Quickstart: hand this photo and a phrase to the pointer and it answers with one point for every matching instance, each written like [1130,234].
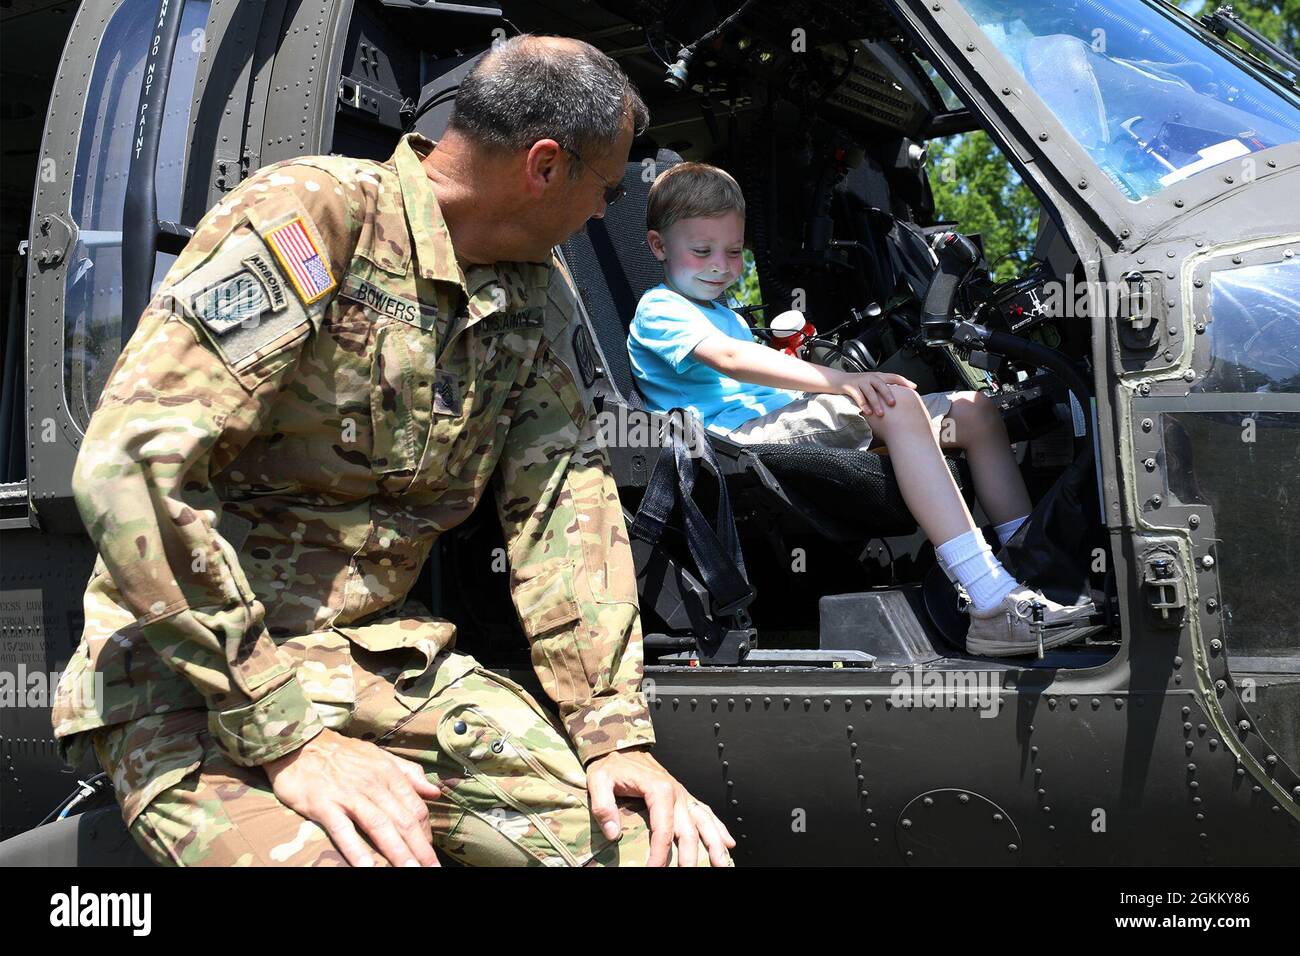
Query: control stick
[957,256]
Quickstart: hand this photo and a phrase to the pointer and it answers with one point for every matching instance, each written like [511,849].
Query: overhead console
[829,59]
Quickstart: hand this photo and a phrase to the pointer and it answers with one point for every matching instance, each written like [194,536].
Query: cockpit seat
[842,494]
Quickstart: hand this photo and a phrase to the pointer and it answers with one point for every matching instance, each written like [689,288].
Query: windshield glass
[1151,101]
[1254,329]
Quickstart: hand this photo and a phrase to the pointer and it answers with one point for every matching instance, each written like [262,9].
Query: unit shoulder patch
[238,300]
[239,313]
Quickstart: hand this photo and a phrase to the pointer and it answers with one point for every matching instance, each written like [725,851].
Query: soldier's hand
[342,783]
[675,816]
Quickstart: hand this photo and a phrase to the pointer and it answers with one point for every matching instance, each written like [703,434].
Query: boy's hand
[760,365]
[873,390]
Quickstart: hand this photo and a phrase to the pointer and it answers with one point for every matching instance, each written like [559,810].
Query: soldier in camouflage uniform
[342,360]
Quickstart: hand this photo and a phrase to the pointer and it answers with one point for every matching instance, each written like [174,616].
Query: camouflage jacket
[317,390]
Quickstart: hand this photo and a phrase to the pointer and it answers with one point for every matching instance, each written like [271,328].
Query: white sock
[1005,530]
[968,560]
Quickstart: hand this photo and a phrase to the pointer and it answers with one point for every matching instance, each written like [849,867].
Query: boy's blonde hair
[687,190]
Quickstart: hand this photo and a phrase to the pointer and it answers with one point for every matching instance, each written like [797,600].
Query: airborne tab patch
[270,280]
[307,269]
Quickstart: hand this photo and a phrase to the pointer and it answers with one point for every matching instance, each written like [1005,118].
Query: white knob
[787,323]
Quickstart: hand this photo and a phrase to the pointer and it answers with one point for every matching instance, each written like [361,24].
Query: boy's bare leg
[923,477]
[977,427]
[1002,621]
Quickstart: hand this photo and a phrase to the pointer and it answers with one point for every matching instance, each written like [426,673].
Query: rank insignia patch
[445,398]
[301,260]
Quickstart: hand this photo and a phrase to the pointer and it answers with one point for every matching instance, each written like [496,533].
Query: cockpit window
[1254,329]
[746,290]
[1234,445]
[1243,467]
[946,95]
[93,288]
[1151,101]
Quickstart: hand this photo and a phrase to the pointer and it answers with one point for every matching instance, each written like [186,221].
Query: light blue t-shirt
[661,343]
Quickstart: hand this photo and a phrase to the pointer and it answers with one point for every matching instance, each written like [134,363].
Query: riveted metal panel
[216,156]
[805,767]
[42,579]
[301,90]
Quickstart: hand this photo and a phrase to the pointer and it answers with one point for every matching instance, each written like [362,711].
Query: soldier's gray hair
[526,89]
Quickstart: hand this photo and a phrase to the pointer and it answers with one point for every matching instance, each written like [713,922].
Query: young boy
[688,350]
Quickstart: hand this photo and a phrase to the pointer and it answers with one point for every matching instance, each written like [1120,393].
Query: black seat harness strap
[715,550]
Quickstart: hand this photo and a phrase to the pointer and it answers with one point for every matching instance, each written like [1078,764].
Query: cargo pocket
[324,671]
[242,301]
[520,771]
[544,596]
[421,638]
[401,402]
[144,757]
[482,374]
[557,759]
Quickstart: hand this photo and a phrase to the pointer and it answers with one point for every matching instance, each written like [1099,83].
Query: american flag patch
[293,246]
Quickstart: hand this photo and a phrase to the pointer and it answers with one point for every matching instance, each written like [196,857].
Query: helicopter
[804,658]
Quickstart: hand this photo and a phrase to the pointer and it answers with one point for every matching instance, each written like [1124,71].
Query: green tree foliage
[977,188]
[745,291]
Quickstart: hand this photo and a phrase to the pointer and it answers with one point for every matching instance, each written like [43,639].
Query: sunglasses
[613,191]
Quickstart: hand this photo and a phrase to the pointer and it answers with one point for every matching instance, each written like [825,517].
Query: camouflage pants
[514,791]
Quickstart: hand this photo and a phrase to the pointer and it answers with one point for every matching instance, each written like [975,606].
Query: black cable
[722,26]
[824,343]
[1040,356]
[53,814]
[434,101]
[679,71]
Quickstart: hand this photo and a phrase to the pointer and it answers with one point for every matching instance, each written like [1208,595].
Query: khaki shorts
[831,420]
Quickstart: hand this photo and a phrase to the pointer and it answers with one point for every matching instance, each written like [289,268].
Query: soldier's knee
[222,815]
